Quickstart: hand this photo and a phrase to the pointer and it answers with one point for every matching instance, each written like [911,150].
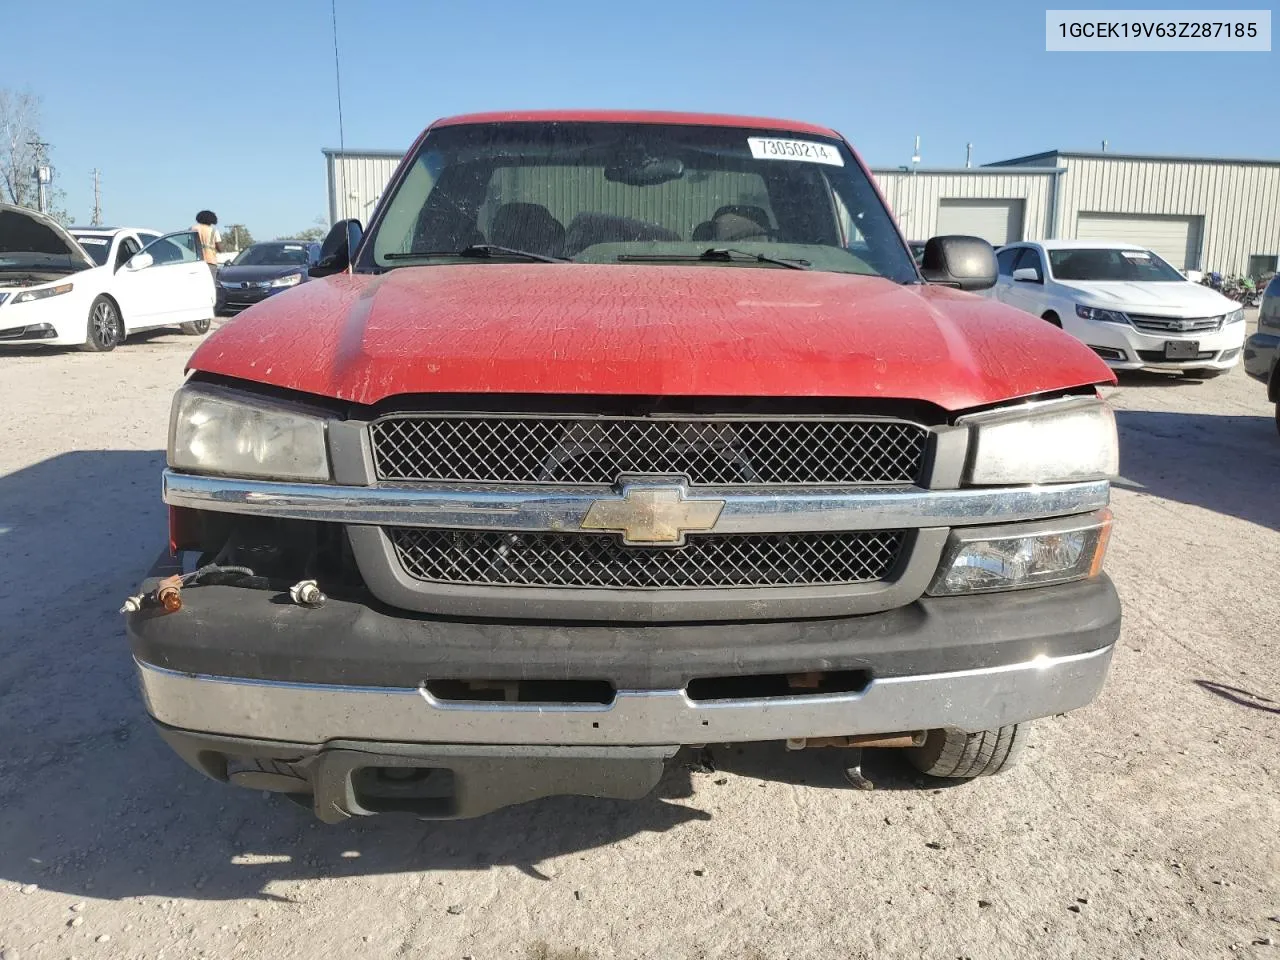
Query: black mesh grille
[602,561]
[597,450]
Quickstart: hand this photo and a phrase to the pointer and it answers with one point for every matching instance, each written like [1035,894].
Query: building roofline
[989,169]
[355,152]
[1159,157]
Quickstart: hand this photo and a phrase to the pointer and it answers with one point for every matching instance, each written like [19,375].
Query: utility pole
[41,174]
[97,196]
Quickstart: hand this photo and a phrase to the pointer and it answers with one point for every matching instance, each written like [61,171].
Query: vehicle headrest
[527,226]
[746,210]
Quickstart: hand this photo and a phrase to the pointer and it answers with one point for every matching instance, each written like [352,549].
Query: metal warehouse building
[1199,213]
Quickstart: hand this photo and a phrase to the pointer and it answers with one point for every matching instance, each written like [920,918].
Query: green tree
[313,234]
[20,123]
[236,236]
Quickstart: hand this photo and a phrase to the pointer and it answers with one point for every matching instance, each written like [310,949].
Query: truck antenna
[337,76]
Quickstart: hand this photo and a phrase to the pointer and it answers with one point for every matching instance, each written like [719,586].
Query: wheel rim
[105,326]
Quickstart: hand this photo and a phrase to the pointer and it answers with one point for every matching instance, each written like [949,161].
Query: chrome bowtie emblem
[646,514]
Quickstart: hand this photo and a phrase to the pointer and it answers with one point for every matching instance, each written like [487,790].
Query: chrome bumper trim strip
[563,509]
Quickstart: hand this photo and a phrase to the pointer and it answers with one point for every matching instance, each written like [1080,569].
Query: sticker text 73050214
[806,151]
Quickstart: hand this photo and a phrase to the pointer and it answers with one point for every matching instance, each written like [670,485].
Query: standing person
[206,230]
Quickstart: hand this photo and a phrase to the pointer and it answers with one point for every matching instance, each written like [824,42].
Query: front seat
[442,231]
[741,221]
[527,226]
[706,230]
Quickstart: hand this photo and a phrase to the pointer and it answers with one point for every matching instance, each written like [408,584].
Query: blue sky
[226,105]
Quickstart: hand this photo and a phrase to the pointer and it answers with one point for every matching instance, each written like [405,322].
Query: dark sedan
[262,270]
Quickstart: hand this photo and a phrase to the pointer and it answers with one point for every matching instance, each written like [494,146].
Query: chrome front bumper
[978,699]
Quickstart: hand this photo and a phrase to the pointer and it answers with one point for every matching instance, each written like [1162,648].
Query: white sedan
[1133,309]
[93,287]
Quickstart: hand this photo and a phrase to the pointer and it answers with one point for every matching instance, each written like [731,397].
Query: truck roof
[636,116]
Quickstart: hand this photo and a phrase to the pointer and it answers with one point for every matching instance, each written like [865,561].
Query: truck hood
[1168,298]
[644,330]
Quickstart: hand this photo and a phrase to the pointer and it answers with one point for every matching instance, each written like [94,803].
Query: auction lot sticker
[806,151]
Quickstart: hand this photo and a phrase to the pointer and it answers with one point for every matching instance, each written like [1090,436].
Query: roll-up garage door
[996,221]
[1176,239]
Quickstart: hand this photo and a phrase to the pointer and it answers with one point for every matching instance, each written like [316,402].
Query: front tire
[1052,317]
[197,328]
[105,328]
[955,754]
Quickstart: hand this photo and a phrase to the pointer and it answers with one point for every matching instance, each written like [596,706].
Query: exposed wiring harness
[168,592]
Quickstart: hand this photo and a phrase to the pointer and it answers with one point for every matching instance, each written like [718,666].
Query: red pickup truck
[616,433]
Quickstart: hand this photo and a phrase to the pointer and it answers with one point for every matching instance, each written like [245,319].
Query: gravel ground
[1143,826]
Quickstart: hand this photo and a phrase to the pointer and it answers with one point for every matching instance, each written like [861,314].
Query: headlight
[1097,313]
[1054,442]
[28,295]
[213,430]
[291,280]
[1235,316]
[1011,557]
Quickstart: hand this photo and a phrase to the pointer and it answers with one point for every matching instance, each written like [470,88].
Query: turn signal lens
[1016,556]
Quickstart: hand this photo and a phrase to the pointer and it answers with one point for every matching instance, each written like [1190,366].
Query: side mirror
[965,262]
[1028,275]
[338,246]
[140,261]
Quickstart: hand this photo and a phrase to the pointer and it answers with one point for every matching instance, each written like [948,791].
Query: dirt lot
[1145,826]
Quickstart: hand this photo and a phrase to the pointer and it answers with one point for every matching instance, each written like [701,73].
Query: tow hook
[307,593]
[852,760]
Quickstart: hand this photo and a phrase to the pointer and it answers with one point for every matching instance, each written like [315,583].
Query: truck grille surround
[1174,325]
[598,450]
[602,561]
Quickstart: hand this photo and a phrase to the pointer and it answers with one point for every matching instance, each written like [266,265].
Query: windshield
[637,193]
[273,255]
[98,248]
[1107,264]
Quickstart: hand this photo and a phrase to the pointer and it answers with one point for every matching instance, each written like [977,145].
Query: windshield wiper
[478,251]
[718,254]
